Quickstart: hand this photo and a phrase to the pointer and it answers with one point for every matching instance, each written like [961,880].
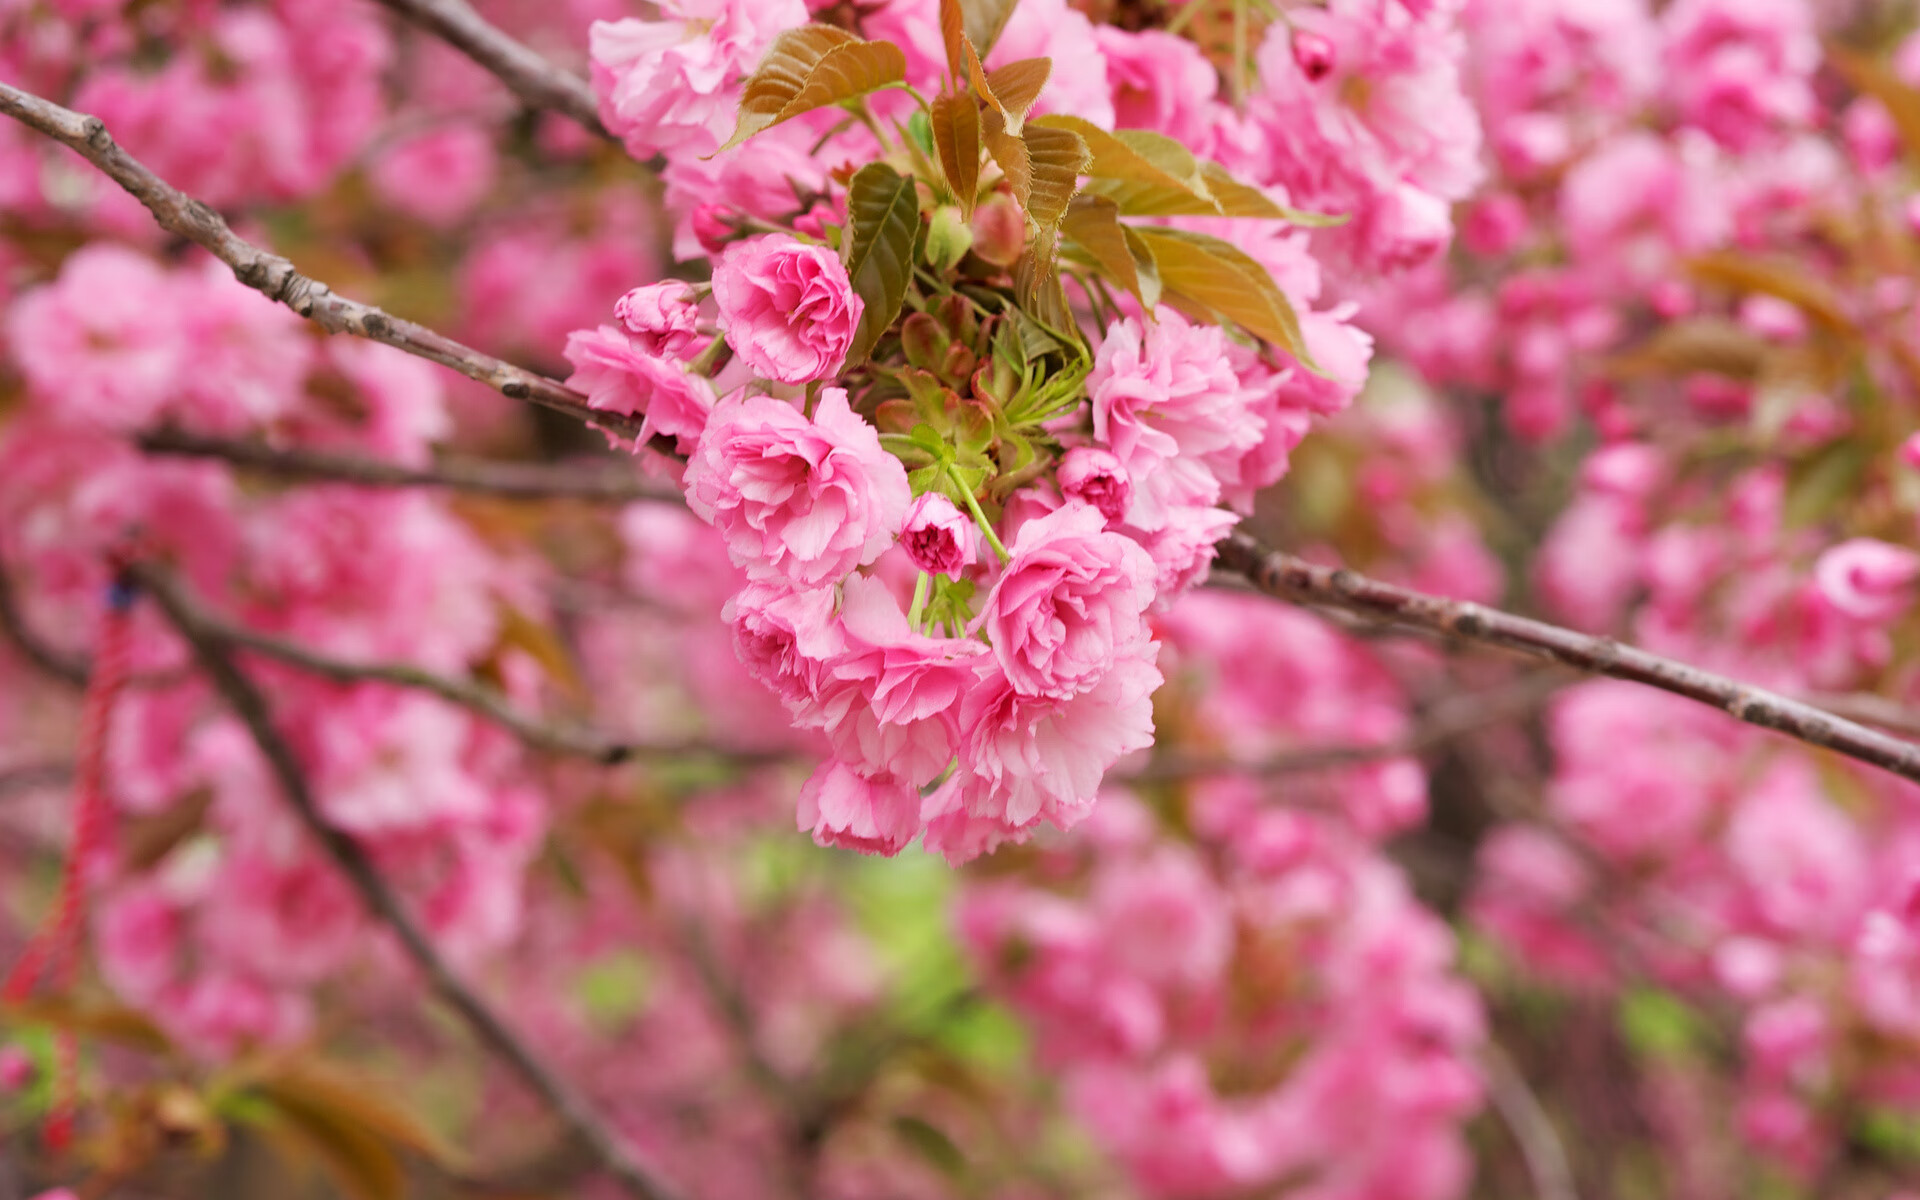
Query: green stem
[921,587]
[1192,10]
[813,398]
[980,518]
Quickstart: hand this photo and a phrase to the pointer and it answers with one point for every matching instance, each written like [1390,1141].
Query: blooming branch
[1288,577]
[213,645]
[517,481]
[543,735]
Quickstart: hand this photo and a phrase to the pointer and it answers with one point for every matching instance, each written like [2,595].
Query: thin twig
[275,277]
[487,703]
[1532,1128]
[27,777]
[1440,725]
[57,663]
[214,650]
[540,83]
[1290,578]
[1870,710]
[518,481]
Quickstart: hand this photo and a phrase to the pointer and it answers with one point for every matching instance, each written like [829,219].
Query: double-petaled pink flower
[788,308]
[805,501]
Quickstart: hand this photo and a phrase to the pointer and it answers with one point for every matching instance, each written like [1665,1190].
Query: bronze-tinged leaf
[1218,281]
[953,32]
[1010,151]
[1057,158]
[148,838]
[1147,266]
[103,1022]
[1781,278]
[1036,279]
[985,20]
[955,121]
[1095,235]
[1716,344]
[1870,77]
[345,1121]
[812,67]
[1236,199]
[883,219]
[1147,176]
[1016,86]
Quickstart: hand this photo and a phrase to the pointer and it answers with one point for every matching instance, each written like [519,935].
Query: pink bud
[16,1068]
[1096,477]
[713,226]
[1313,54]
[1496,224]
[1912,214]
[662,317]
[1910,451]
[814,221]
[938,537]
[1867,579]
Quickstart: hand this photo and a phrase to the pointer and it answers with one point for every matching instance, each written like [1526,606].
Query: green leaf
[1658,1024]
[1162,169]
[1236,199]
[1218,281]
[1057,157]
[1093,225]
[935,1147]
[956,135]
[883,219]
[812,67]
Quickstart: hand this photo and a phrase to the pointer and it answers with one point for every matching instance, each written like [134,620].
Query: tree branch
[214,650]
[487,703]
[275,277]
[540,83]
[1291,578]
[1532,1128]
[1442,723]
[517,481]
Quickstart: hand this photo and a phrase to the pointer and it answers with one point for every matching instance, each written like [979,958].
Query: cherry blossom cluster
[958,490]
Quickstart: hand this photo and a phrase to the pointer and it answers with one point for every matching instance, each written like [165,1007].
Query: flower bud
[999,231]
[1313,54]
[662,317]
[948,239]
[16,1069]
[1867,579]
[938,537]
[1096,477]
[711,224]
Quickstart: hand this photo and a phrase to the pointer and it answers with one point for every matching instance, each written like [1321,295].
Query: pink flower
[16,1069]
[671,87]
[1167,402]
[788,308]
[1868,579]
[891,699]
[1025,759]
[663,318]
[803,500]
[786,638]
[1094,476]
[620,377]
[1069,603]
[842,807]
[438,176]
[104,338]
[939,537]
[1161,82]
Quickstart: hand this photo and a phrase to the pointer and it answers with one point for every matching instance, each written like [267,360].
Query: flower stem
[921,587]
[980,518]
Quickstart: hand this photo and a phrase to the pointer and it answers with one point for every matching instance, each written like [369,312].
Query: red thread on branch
[54,954]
